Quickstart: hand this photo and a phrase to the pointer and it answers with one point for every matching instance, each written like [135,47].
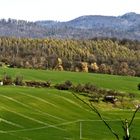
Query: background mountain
[125,26]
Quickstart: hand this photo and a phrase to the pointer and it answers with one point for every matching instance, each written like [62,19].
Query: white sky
[63,10]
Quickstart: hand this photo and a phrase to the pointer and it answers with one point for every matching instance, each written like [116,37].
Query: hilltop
[90,26]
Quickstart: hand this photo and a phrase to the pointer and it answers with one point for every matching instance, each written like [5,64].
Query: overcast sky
[63,10]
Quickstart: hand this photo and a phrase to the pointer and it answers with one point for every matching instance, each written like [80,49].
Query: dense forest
[110,56]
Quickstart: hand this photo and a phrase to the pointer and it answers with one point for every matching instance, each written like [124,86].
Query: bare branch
[93,108]
[84,102]
[112,131]
[134,116]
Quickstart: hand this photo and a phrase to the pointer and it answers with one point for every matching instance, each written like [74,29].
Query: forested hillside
[96,55]
[21,28]
[84,27]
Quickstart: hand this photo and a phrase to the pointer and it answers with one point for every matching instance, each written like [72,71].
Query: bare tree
[126,125]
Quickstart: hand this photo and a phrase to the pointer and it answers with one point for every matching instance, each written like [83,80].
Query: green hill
[50,114]
[120,83]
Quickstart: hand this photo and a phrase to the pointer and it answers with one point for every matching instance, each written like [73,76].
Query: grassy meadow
[49,114]
[120,83]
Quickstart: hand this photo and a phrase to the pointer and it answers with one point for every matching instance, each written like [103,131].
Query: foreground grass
[49,114]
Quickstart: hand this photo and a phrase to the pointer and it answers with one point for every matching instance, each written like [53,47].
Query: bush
[139,86]
[68,83]
[95,98]
[7,80]
[61,86]
[90,87]
[18,80]
[131,95]
[38,84]
[113,92]
[87,88]
[79,88]
[65,86]
[47,84]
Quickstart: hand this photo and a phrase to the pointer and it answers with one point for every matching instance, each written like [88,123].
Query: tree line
[108,56]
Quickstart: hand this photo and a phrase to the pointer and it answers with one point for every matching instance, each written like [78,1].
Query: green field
[49,114]
[120,83]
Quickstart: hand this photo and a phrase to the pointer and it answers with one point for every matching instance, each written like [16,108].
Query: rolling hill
[46,113]
[125,26]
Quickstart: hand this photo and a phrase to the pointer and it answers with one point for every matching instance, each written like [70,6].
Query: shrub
[38,84]
[61,87]
[68,83]
[95,98]
[7,80]
[18,80]
[131,95]
[139,86]
[113,92]
[79,88]
[87,88]
[47,83]
[64,86]
[90,87]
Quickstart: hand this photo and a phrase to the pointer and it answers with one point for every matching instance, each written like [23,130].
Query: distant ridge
[84,27]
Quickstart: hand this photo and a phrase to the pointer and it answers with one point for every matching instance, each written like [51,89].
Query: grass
[49,114]
[120,83]
[41,114]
